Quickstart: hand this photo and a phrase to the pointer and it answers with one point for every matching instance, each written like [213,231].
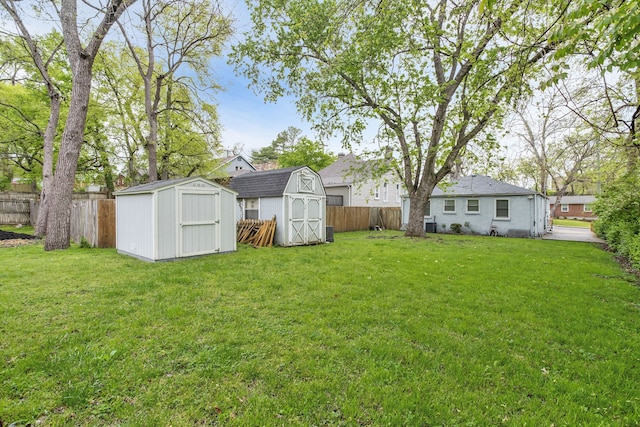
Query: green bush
[618,210]
[456,228]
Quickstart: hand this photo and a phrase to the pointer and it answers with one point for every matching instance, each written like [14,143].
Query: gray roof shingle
[479,185]
[270,183]
[152,186]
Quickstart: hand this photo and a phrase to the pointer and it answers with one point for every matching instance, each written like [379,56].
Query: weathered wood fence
[94,220]
[354,218]
[92,216]
[15,208]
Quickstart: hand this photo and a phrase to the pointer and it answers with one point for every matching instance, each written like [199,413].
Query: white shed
[165,220]
[295,196]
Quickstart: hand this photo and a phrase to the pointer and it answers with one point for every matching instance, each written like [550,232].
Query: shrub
[618,210]
[456,228]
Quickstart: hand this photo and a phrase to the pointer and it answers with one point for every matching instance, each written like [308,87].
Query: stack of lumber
[258,233]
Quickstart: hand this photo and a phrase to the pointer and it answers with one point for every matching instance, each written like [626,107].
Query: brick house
[573,207]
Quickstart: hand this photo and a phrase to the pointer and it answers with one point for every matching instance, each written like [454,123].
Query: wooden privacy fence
[15,208]
[355,218]
[94,220]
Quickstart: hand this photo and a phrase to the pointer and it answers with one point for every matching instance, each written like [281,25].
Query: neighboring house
[574,207]
[349,182]
[236,165]
[295,196]
[482,205]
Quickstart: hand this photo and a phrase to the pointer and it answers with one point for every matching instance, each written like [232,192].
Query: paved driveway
[575,234]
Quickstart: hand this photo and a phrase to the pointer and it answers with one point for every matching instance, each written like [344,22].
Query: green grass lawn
[571,223]
[374,329]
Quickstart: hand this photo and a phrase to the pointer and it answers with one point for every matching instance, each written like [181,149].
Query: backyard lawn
[374,329]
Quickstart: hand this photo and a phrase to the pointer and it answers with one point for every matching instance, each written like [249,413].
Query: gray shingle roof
[346,170]
[574,200]
[270,183]
[155,185]
[479,185]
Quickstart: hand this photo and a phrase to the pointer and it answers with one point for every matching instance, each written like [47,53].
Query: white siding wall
[227,221]
[526,216]
[166,230]
[135,225]
[270,206]
[363,194]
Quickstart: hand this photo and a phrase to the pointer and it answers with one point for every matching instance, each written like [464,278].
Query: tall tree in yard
[42,63]
[177,34]
[81,58]
[433,75]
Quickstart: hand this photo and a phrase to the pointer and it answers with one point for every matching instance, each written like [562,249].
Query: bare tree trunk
[47,165]
[59,218]
[81,60]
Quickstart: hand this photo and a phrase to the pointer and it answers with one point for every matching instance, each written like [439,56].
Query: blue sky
[245,117]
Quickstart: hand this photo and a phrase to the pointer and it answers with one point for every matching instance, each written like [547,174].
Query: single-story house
[295,196]
[349,181]
[482,205]
[177,218]
[573,207]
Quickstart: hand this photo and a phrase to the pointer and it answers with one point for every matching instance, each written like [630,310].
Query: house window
[427,208]
[564,208]
[397,193]
[238,168]
[502,208]
[473,205]
[376,193]
[306,183]
[587,208]
[251,210]
[450,205]
[334,200]
[385,192]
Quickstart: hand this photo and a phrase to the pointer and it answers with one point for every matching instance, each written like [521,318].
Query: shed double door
[198,222]
[305,220]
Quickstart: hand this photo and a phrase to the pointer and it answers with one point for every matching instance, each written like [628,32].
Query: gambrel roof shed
[295,196]
[177,218]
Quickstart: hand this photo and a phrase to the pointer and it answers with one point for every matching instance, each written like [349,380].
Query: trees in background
[106,124]
[433,75]
[177,35]
[291,148]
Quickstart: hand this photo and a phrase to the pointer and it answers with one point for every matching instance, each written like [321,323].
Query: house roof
[271,183]
[573,200]
[155,185]
[161,184]
[479,185]
[346,170]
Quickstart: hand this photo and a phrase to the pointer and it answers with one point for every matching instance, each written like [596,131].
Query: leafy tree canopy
[306,153]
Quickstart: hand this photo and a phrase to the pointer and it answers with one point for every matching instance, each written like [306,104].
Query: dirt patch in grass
[9,239]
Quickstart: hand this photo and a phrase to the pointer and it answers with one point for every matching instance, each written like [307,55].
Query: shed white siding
[135,226]
[174,219]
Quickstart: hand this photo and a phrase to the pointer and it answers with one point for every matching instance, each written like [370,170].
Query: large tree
[81,57]
[433,74]
[42,60]
[177,35]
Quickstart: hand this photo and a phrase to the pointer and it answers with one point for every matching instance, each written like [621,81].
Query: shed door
[198,223]
[305,221]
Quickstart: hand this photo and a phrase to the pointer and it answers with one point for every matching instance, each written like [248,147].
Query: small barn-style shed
[178,218]
[295,196]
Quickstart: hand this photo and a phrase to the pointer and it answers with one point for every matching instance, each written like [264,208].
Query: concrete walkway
[574,234]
